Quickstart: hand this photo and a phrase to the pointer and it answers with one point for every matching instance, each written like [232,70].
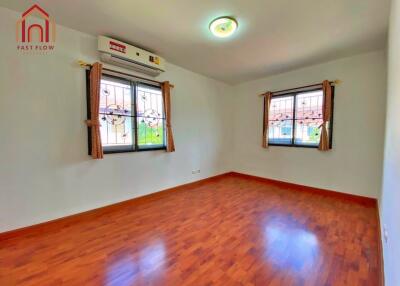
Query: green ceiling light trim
[223,27]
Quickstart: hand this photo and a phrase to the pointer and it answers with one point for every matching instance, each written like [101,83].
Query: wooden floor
[228,231]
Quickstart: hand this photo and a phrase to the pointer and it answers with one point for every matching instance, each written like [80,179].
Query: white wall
[45,172]
[389,207]
[354,164]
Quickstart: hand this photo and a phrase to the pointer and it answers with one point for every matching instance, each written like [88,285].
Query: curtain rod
[335,82]
[85,65]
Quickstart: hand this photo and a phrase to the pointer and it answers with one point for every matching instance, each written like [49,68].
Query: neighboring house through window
[131,115]
[295,119]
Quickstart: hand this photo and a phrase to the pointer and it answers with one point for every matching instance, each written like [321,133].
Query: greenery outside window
[295,119]
[131,115]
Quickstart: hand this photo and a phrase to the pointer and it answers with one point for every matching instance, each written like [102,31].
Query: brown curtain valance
[93,122]
[166,93]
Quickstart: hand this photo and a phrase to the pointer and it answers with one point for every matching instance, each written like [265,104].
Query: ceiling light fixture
[223,27]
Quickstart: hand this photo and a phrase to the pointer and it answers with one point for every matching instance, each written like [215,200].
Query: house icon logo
[35,30]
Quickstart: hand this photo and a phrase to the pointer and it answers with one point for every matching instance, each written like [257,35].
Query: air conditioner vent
[128,56]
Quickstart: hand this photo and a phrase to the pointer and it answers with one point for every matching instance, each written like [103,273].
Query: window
[131,116]
[295,119]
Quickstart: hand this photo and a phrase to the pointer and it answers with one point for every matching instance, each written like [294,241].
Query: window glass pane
[281,120]
[150,117]
[115,113]
[308,117]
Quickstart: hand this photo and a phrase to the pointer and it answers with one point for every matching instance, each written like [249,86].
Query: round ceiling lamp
[223,27]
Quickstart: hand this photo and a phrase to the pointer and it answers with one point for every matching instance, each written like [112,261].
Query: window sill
[135,151]
[293,145]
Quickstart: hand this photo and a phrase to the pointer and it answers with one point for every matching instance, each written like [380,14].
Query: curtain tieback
[323,124]
[168,125]
[92,123]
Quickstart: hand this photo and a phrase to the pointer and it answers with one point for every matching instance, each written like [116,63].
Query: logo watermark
[35,30]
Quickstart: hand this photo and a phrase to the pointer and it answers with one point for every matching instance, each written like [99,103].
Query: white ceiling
[274,36]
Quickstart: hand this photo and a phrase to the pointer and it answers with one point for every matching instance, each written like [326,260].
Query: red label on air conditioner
[117,47]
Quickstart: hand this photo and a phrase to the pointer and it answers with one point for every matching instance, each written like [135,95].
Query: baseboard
[381,266]
[68,220]
[71,219]
[292,186]
[65,221]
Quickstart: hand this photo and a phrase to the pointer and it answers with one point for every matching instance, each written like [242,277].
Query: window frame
[294,94]
[135,146]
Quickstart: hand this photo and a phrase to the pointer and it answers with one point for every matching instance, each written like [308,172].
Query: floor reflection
[290,246]
[122,273]
[144,265]
[152,258]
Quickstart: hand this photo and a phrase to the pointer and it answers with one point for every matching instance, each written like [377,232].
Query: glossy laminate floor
[227,231]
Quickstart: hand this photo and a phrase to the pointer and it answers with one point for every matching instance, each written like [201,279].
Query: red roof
[35,7]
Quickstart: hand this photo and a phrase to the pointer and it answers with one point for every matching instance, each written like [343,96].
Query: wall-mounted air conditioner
[127,56]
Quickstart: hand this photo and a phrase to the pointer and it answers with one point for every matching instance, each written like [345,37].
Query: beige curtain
[326,115]
[267,104]
[93,122]
[166,93]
